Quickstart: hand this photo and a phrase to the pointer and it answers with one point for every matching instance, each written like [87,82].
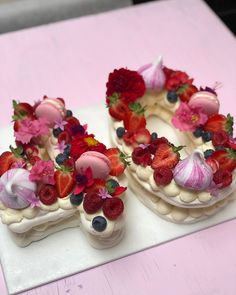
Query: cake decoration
[60,176]
[199,173]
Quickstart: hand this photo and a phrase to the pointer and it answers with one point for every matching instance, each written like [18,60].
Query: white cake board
[68,252]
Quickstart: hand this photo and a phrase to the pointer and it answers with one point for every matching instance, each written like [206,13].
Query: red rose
[129,84]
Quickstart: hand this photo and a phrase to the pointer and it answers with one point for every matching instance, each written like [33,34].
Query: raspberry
[113,208]
[128,138]
[92,203]
[48,194]
[141,156]
[64,136]
[222,178]
[220,138]
[163,175]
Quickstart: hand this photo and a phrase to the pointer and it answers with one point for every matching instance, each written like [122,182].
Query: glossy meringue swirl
[193,172]
[153,75]
[16,188]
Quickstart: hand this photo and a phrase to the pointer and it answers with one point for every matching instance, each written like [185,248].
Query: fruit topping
[154,136]
[99,223]
[76,200]
[118,161]
[219,122]
[172,96]
[155,143]
[113,208]
[120,131]
[186,91]
[64,181]
[206,136]
[141,156]
[69,113]
[198,132]
[134,119]
[56,131]
[220,138]
[163,175]
[64,136]
[92,203]
[7,159]
[208,153]
[47,194]
[166,155]
[226,159]
[61,158]
[142,136]
[222,178]
[117,107]
[96,186]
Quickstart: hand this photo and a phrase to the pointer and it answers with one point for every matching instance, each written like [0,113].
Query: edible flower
[84,180]
[43,171]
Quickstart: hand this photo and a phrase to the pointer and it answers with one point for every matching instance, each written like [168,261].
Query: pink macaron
[98,162]
[53,109]
[207,100]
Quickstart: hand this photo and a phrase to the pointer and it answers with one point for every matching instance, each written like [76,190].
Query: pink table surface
[72,59]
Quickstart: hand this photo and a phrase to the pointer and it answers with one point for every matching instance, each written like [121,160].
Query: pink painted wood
[72,59]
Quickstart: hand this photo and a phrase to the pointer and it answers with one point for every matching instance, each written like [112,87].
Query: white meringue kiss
[15,188]
[153,75]
[193,172]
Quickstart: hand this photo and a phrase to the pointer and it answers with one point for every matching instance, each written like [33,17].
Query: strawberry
[118,161]
[142,136]
[22,110]
[155,143]
[96,186]
[226,159]
[7,159]
[113,208]
[64,181]
[222,178]
[166,155]
[220,138]
[186,91]
[128,138]
[117,107]
[213,164]
[135,119]
[218,122]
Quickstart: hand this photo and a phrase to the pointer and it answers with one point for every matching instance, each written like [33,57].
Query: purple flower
[103,193]
[60,124]
[33,200]
[61,146]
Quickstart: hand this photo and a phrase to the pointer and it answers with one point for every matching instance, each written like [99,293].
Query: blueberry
[154,135]
[206,136]
[198,132]
[76,199]
[99,223]
[208,153]
[172,96]
[111,185]
[69,113]
[56,131]
[60,158]
[120,131]
[67,150]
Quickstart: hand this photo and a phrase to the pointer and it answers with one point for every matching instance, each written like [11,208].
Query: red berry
[64,182]
[134,119]
[222,178]
[117,107]
[128,138]
[142,136]
[155,143]
[163,175]
[96,186]
[219,122]
[141,156]
[213,164]
[220,138]
[48,194]
[225,158]
[113,208]
[166,155]
[118,161]
[92,203]
[22,110]
[186,91]
[64,136]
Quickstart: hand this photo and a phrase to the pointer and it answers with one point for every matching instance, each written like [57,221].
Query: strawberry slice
[142,136]
[226,159]
[134,119]
[22,110]
[117,107]
[7,159]
[118,161]
[186,91]
[166,155]
[219,122]
[64,181]
[96,186]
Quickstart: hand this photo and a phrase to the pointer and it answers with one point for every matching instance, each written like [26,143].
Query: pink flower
[61,146]
[29,129]
[34,201]
[85,179]
[187,118]
[60,124]
[43,171]
[103,193]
